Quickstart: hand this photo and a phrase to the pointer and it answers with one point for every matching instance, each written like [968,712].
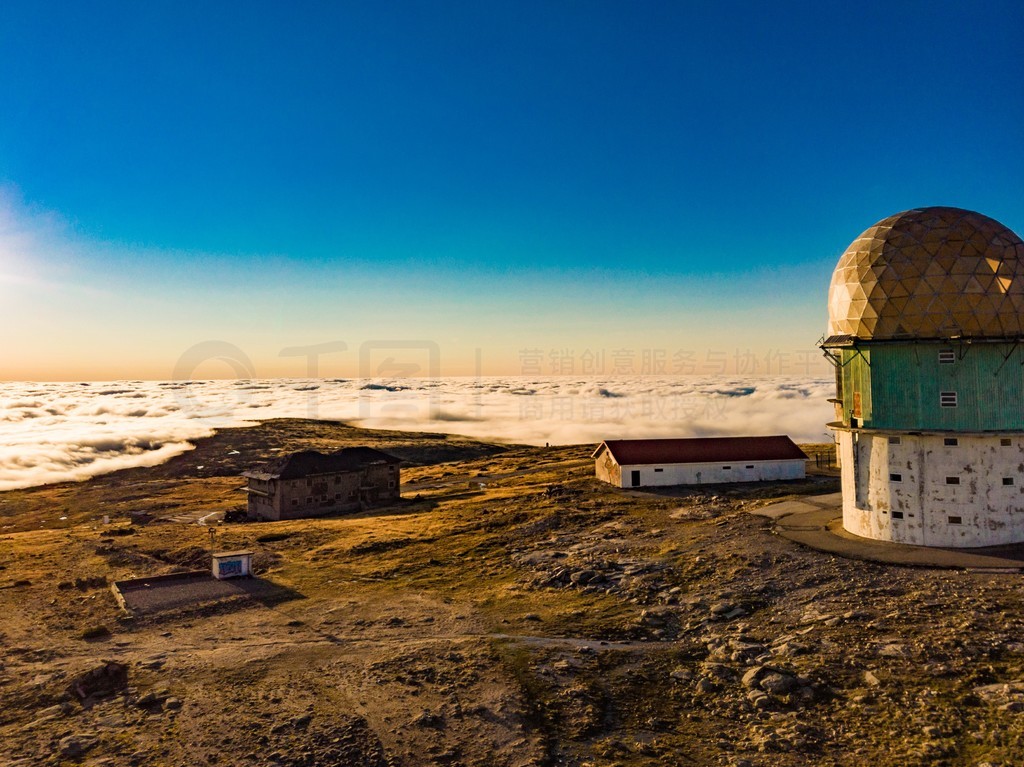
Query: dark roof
[311,462]
[633,452]
[842,340]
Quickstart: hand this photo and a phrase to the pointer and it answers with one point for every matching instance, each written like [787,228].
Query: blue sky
[485,175]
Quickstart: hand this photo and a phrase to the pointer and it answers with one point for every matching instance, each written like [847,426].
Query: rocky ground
[512,611]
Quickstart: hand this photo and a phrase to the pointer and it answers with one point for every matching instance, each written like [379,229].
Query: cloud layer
[54,432]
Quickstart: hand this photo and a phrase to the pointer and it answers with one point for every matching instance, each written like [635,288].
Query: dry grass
[424,632]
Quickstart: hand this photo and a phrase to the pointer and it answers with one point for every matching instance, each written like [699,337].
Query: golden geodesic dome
[930,273]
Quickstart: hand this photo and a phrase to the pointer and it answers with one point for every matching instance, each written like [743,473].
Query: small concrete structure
[699,461]
[313,484]
[232,564]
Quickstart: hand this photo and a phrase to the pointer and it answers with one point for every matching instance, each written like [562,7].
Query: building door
[635,478]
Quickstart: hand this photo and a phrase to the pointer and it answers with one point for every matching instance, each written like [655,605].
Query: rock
[777,684]
[154,699]
[705,685]
[806,695]
[73,746]
[750,678]
[787,649]
[102,680]
[583,576]
[932,732]
[658,617]
[894,651]
[998,691]
[871,679]
[856,615]
[813,615]
[682,674]
[721,608]
[433,721]
[719,671]
[173,703]
[759,699]
[61,709]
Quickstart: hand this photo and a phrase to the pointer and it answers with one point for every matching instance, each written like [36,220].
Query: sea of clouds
[54,432]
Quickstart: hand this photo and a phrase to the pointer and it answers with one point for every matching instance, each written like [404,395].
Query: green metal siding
[856,376]
[905,382]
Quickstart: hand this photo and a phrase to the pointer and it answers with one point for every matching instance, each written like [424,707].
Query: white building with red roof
[697,461]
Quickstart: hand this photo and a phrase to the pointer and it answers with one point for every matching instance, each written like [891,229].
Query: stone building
[313,484]
[697,461]
[926,319]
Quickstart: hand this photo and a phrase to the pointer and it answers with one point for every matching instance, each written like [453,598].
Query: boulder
[105,679]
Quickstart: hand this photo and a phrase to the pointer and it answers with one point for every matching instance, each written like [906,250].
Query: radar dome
[930,273]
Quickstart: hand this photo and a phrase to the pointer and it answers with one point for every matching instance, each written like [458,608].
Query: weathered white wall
[701,473]
[990,512]
[606,469]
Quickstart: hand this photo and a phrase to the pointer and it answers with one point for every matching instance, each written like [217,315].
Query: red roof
[635,452]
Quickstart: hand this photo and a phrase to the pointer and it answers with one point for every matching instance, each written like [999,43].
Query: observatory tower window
[1007,480]
[1005,442]
[952,480]
[956,520]
[947,399]
[946,357]
[895,477]
[895,440]
[950,442]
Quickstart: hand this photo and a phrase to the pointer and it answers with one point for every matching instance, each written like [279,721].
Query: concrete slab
[142,596]
[814,519]
[785,508]
[826,501]
[817,522]
[146,595]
